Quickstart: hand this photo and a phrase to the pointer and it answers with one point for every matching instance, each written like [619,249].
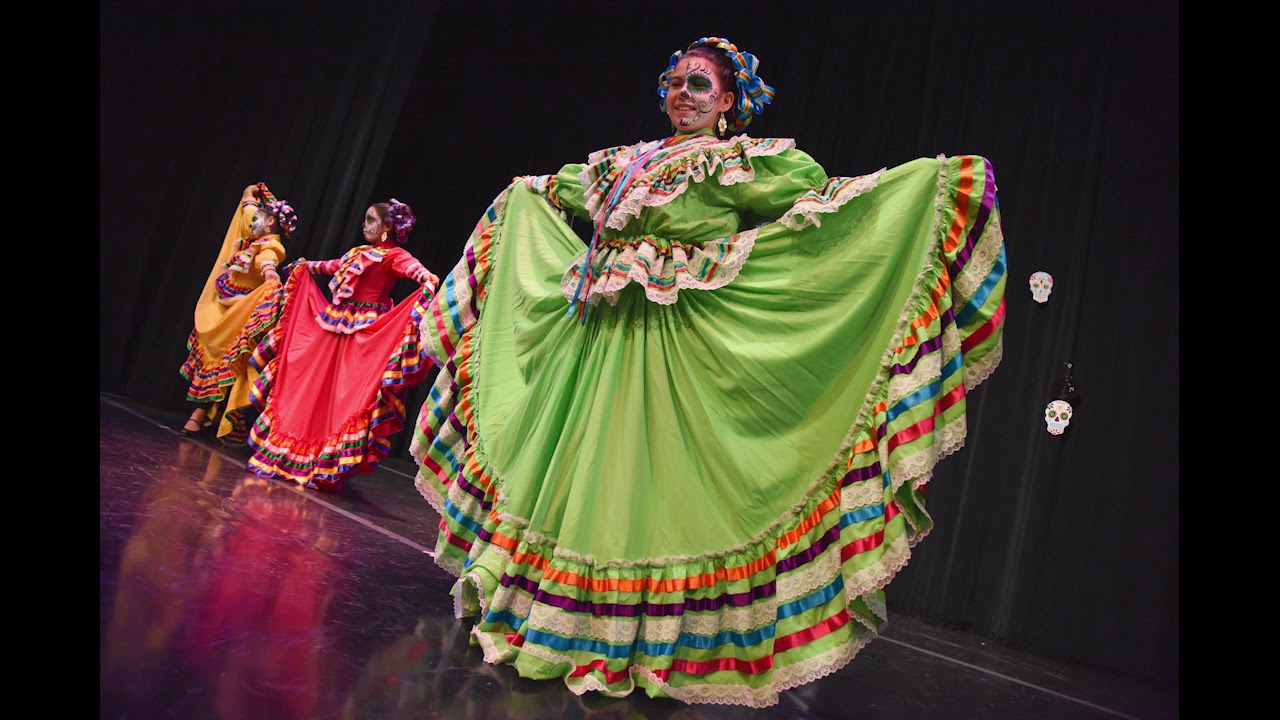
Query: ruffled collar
[353,264]
[687,159]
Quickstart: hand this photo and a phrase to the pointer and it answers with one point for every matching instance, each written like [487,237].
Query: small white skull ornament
[1041,286]
[1057,416]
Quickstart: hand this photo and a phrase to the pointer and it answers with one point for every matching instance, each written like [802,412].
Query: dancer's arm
[321,267]
[562,190]
[267,259]
[406,265]
[250,196]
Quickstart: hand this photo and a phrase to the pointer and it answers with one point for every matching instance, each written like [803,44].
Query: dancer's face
[695,97]
[372,227]
[262,223]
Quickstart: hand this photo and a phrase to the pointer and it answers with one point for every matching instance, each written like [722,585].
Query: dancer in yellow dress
[240,302]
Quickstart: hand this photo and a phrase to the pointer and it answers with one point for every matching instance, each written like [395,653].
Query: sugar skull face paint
[258,225]
[372,227]
[699,83]
[695,98]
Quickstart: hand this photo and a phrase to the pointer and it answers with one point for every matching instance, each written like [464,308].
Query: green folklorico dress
[703,488]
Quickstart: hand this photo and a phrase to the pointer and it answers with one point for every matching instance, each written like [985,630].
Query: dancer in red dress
[334,373]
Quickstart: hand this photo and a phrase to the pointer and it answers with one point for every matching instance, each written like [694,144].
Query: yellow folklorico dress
[236,308]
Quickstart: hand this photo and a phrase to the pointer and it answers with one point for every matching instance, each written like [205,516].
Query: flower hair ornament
[401,219]
[286,217]
[752,93]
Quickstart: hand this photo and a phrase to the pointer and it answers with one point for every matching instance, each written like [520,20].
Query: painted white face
[372,227]
[1057,416]
[260,224]
[1041,286]
[695,97]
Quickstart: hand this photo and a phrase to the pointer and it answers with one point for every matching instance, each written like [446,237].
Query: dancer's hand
[271,274]
[431,281]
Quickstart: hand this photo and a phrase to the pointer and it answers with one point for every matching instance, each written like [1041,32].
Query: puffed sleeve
[404,264]
[780,180]
[269,255]
[561,190]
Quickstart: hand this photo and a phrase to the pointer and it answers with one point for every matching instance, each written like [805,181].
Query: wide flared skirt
[706,498]
[330,402]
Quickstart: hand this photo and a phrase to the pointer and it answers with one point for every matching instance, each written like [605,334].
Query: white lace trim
[712,694]
[880,573]
[819,573]
[428,486]
[625,630]
[984,257]
[519,603]
[808,209]
[491,652]
[511,597]
[862,494]
[608,285]
[915,539]
[866,622]
[460,590]
[480,547]
[946,440]
[820,666]
[499,204]
[417,448]
[876,605]
[785,678]
[530,537]
[469,583]
[981,370]
[928,369]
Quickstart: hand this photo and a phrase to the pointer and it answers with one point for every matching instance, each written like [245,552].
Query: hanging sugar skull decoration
[1058,413]
[1041,286]
[1057,416]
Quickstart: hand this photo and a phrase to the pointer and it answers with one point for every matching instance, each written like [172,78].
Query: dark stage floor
[224,595]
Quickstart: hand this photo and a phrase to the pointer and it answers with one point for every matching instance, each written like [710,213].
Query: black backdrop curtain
[1066,546]
[196,102]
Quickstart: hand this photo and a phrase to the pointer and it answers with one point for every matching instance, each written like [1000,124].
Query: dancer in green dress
[690,456]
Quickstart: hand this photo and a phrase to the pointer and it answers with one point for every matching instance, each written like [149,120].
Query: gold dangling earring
[384,236]
[722,125]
